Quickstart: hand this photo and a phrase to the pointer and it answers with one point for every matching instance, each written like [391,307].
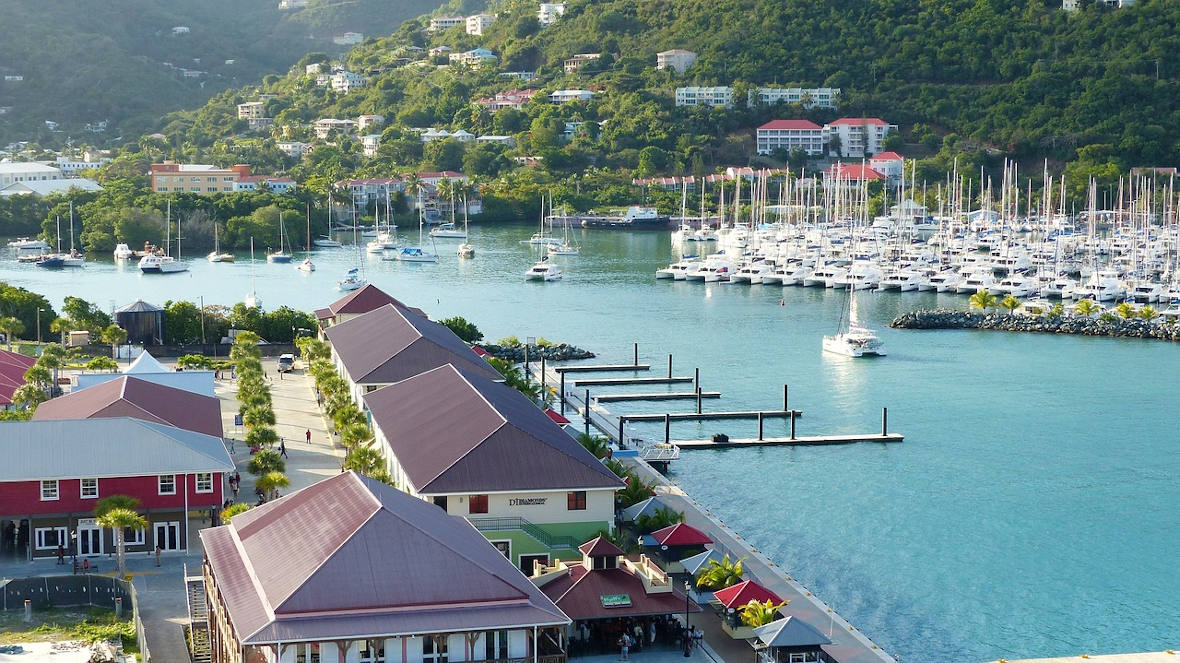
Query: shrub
[463,328]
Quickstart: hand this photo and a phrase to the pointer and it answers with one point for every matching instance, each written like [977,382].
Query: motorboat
[51,261]
[978,279]
[123,252]
[1017,285]
[466,251]
[326,242]
[543,271]
[948,280]
[1102,286]
[1147,291]
[26,244]
[157,264]
[1061,287]
[306,266]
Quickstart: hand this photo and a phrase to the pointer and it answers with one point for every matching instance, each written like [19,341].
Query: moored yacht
[543,271]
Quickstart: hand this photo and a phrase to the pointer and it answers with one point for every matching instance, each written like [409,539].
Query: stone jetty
[1108,326]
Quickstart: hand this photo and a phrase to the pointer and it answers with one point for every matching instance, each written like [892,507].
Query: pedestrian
[651,633]
[159,551]
[283,448]
[308,435]
[624,647]
[237,477]
[61,555]
[697,636]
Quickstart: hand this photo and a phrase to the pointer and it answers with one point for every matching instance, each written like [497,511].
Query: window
[307,653]
[575,500]
[167,484]
[370,655]
[204,482]
[434,649]
[49,538]
[132,536]
[48,490]
[89,488]
[495,645]
[477,504]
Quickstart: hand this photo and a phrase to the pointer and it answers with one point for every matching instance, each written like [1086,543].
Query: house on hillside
[439,23]
[549,12]
[567,96]
[477,23]
[790,135]
[889,164]
[573,64]
[717,96]
[857,137]
[676,59]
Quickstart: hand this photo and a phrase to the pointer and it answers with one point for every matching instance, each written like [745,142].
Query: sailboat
[280,256]
[252,300]
[53,260]
[417,253]
[449,230]
[354,279]
[74,258]
[155,263]
[216,255]
[853,339]
[466,250]
[307,265]
[326,242]
[565,248]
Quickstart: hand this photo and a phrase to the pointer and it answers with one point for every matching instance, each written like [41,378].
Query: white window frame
[160,484]
[46,483]
[207,478]
[63,537]
[82,489]
[133,537]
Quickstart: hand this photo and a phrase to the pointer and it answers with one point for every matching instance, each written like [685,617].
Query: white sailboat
[165,264]
[449,230]
[326,242]
[566,248]
[853,339]
[252,300]
[216,255]
[280,256]
[74,258]
[466,249]
[354,280]
[417,253]
[307,265]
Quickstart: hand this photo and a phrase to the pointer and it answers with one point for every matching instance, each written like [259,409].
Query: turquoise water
[1031,511]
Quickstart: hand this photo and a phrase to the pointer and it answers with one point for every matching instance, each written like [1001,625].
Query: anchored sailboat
[853,339]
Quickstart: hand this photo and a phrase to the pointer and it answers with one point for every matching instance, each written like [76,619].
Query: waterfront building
[12,375]
[479,449]
[27,171]
[358,302]
[677,59]
[548,12]
[439,23]
[195,177]
[889,164]
[130,396]
[371,190]
[572,65]
[566,96]
[717,96]
[850,176]
[145,367]
[54,472]
[789,135]
[857,137]
[71,167]
[390,344]
[478,23]
[350,569]
[820,97]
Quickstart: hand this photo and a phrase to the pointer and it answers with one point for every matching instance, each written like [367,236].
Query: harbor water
[1031,511]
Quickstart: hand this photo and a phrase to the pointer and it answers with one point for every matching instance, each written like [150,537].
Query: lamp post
[202,322]
[687,626]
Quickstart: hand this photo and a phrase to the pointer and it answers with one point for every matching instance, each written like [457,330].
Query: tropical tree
[1148,313]
[114,335]
[662,517]
[595,444]
[120,520]
[1010,303]
[617,466]
[10,326]
[1086,307]
[266,460]
[634,492]
[354,433]
[233,510]
[270,483]
[61,327]
[29,396]
[983,300]
[261,438]
[1056,311]
[1125,310]
[463,328]
[721,574]
[256,416]
[758,613]
[366,460]
[102,364]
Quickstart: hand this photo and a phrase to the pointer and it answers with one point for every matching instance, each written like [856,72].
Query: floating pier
[803,440]
[664,396]
[615,382]
[605,368]
[709,416]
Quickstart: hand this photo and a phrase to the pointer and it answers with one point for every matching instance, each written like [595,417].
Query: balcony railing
[504,523]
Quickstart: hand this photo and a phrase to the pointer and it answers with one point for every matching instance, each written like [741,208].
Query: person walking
[61,555]
[283,448]
[625,647]
[159,551]
[651,633]
[308,435]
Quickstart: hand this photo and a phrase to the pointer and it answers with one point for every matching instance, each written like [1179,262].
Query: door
[168,536]
[89,537]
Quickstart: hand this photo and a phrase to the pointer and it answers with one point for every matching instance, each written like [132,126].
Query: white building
[432,135]
[857,137]
[293,148]
[365,121]
[548,12]
[718,97]
[27,171]
[313,69]
[789,135]
[370,143]
[518,75]
[71,167]
[275,183]
[819,97]
[46,187]
[889,164]
[478,23]
[578,61]
[348,39]
[345,81]
[325,126]
[677,59]
[251,110]
[508,141]
[474,57]
[566,96]
[439,23]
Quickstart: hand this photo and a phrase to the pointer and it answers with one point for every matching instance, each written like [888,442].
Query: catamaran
[853,339]
[155,263]
[543,271]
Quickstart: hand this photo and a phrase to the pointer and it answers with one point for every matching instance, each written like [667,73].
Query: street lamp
[687,625]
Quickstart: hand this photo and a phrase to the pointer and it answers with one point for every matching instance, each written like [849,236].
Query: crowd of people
[627,635]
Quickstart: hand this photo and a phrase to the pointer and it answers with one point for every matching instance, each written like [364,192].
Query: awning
[693,565]
[790,632]
[744,592]
[680,534]
[645,508]
[551,413]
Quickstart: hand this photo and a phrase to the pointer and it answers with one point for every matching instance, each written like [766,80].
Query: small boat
[281,256]
[543,271]
[307,265]
[51,261]
[216,254]
[854,339]
[448,231]
[26,244]
[326,242]
[157,263]
[74,258]
[416,253]
[123,252]
[466,251]
[352,281]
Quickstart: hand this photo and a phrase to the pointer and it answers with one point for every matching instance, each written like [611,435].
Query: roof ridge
[254,581]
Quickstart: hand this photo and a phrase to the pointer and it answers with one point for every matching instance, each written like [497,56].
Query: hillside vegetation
[105,61]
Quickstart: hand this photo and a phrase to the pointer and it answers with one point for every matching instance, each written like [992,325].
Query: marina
[928,509]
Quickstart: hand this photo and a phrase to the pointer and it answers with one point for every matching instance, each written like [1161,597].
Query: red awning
[480,351]
[557,418]
[744,592]
[681,534]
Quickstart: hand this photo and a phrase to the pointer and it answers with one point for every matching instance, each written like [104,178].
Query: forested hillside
[119,61]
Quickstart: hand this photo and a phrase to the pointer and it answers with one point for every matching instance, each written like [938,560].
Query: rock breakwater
[554,352]
[1113,327]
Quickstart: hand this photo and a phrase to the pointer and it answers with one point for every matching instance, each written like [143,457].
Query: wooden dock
[709,416]
[801,440]
[664,396]
[615,382]
[604,368]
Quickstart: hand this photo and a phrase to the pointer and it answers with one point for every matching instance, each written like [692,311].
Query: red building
[54,473]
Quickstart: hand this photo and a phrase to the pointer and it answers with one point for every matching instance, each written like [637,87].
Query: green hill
[119,61]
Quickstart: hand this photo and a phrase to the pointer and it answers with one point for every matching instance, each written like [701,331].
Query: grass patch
[76,623]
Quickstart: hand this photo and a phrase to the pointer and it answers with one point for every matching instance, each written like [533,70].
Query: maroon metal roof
[453,431]
[350,556]
[12,374]
[681,534]
[742,593]
[367,298]
[129,396]
[388,344]
[580,593]
[600,547]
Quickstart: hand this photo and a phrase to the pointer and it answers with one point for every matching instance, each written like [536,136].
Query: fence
[73,590]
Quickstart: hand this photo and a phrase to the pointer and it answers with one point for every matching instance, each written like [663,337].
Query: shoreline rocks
[1116,328]
[555,352]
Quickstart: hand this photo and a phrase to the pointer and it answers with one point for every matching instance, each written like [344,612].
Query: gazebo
[731,600]
[790,640]
[674,543]
[647,507]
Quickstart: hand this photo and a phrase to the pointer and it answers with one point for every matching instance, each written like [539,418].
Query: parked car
[286,363]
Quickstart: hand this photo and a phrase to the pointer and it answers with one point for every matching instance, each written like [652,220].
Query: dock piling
[759,425]
[636,361]
[667,428]
[542,375]
[785,398]
[562,376]
[698,400]
[621,445]
[792,424]
[586,405]
[669,364]
[696,377]
[884,421]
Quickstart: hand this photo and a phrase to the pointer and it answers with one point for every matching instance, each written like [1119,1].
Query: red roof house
[128,396]
[807,125]
[845,172]
[358,302]
[12,374]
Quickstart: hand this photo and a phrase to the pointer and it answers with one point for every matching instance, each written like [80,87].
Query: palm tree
[1086,307]
[262,438]
[114,335]
[1056,311]
[256,416]
[364,459]
[595,444]
[1148,313]
[983,300]
[267,460]
[29,396]
[61,327]
[121,519]
[1011,303]
[634,492]
[721,574]
[270,483]
[757,613]
[661,518]
[1125,310]
[355,433]
[10,327]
